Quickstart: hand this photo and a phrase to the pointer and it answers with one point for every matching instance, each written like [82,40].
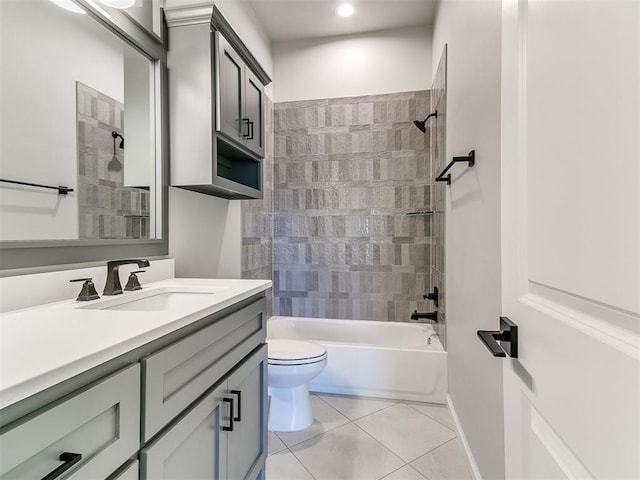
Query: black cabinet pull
[230,402]
[247,122]
[507,335]
[69,459]
[239,395]
[250,136]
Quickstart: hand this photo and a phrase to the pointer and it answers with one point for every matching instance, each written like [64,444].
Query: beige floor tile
[346,453]
[356,407]
[274,444]
[325,418]
[285,466]
[405,431]
[405,473]
[439,413]
[446,462]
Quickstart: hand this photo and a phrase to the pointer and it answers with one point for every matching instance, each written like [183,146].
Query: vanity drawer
[101,423]
[176,376]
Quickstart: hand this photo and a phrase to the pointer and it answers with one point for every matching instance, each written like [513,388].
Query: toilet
[291,365]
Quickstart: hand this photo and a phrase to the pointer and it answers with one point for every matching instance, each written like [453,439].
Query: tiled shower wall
[106,208]
[438,151]
[346,173]
[257,218]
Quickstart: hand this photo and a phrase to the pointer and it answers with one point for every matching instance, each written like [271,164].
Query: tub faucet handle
[432,296]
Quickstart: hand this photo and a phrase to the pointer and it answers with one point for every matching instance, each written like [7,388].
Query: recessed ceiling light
[345,10]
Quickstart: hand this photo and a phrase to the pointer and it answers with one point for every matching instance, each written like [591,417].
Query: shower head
[422,125]
[115,135]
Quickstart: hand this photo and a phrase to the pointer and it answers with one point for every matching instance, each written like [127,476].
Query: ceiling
[288,20]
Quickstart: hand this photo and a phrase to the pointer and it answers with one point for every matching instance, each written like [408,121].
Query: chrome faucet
[113,286]
[428,316]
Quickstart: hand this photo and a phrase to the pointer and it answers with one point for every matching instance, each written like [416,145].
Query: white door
[570,242]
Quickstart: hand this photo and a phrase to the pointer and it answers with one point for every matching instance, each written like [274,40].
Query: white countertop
[45,345]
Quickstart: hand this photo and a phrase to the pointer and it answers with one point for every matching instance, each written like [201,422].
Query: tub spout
[427,316]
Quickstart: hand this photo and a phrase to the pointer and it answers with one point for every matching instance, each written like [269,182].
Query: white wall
[205,233]
[472,31]
[45,49]
[388,61]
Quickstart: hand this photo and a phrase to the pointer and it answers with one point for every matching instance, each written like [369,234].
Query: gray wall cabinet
[239,97]
[170,403]
[216,98]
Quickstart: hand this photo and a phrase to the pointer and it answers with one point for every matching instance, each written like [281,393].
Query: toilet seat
[294,352]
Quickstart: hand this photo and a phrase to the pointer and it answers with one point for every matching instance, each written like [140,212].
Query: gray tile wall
[106,208]
[438,152]
[257,218]
[346,172]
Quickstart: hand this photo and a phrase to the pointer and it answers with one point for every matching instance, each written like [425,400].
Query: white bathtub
[402,361]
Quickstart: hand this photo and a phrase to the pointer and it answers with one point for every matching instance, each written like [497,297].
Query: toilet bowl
[291,365]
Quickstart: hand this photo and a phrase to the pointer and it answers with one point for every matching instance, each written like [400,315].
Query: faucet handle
[88,291]
[133,283]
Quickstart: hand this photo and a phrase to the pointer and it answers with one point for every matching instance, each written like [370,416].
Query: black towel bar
[62,190]
[470,159]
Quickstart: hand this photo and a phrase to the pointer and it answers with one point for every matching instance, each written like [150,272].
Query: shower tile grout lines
[367,439]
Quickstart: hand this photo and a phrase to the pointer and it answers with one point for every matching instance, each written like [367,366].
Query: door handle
[507,336]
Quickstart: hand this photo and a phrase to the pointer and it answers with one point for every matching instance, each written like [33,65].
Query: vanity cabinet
[223,436]
[96,429]
[190,404]
[216,106]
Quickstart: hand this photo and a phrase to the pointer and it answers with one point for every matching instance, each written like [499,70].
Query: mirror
[80,107]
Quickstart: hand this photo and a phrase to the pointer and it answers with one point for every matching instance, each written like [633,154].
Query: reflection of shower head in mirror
[115,165]
[115,135]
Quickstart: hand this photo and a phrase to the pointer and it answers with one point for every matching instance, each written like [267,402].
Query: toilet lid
[294,351]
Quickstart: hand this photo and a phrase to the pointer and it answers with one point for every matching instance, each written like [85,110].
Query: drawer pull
[69,459]
[239,394]
[230,402]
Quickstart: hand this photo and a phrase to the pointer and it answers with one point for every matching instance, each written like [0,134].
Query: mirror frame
[47,253]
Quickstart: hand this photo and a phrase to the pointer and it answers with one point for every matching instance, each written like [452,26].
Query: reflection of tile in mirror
[107,209]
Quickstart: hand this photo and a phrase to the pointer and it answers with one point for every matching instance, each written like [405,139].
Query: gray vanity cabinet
[190,404]
[223,436]
[100,423]
[247,443]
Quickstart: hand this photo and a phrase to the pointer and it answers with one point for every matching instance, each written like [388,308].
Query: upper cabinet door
[253,113]
[229,69]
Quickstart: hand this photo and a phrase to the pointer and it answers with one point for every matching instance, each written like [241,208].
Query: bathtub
[401,361]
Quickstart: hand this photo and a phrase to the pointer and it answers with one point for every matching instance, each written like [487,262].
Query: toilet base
[289,408]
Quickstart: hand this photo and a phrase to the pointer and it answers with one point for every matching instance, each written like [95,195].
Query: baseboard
[471,463]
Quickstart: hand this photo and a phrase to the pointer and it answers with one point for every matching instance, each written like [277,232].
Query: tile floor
[368,439]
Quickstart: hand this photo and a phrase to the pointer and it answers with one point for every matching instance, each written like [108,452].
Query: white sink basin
[157,300]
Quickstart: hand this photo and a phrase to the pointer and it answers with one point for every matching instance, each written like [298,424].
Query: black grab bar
[470,159]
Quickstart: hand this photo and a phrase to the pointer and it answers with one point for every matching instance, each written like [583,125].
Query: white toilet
[291,364]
